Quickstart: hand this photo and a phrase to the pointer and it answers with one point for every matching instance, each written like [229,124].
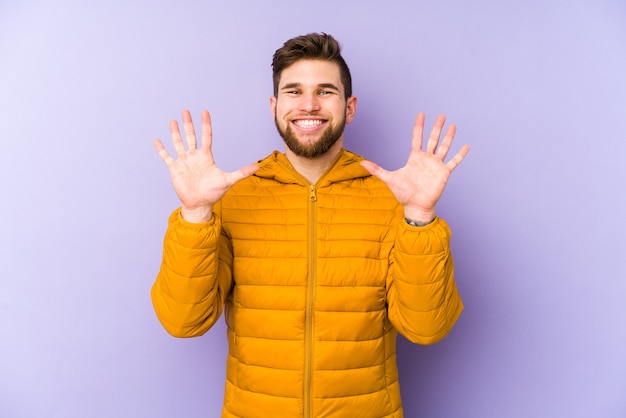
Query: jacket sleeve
[195,277]
[423,300]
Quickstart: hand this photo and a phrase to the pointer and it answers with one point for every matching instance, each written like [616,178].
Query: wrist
[419,217]
[197,215]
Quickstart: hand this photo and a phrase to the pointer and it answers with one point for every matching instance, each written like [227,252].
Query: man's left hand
[421,182]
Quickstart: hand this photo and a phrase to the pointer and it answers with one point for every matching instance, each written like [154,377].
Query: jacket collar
[276,166]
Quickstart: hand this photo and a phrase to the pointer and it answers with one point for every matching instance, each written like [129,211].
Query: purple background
[538,88]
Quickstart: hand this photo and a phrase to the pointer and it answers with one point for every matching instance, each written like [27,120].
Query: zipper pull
[312,195]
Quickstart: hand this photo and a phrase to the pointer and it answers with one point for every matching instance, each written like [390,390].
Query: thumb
[243,172]
[375,170]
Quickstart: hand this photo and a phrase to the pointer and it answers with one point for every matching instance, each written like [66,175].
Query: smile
[308,123]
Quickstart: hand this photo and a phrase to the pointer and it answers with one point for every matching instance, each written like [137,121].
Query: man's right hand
[198,182]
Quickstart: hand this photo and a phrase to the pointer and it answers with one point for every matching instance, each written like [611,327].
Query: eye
[325,92]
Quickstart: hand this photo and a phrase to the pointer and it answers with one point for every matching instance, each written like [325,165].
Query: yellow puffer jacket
[316,281]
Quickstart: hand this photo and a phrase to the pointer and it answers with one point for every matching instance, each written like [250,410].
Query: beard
[314,150]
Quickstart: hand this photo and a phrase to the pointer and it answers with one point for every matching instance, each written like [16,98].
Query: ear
[273,106]
[350,108]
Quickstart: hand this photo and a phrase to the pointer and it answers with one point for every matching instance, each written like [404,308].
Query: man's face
[310,109]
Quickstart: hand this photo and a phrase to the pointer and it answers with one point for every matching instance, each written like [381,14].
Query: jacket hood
[276,166]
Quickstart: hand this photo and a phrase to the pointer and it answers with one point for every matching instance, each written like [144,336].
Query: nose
[309,102]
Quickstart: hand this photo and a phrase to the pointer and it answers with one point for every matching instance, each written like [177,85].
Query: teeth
[308,123]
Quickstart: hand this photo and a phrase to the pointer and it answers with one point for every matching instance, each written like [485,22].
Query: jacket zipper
[308,368]
[308,359]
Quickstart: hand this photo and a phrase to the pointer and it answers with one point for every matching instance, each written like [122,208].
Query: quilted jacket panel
[315,282]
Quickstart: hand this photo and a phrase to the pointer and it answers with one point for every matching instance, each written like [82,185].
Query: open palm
[421,182]
[198,182]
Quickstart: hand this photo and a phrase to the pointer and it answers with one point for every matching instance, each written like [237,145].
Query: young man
[317,256]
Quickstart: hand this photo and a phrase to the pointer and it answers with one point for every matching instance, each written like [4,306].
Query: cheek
[280,111]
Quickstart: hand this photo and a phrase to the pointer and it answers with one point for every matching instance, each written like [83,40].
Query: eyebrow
[322,85]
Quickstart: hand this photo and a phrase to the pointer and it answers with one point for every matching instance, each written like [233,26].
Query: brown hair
[319,46]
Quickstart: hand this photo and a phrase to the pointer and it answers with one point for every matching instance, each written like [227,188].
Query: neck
[313,168]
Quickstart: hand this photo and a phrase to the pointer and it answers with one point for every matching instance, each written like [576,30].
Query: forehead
[311,72]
